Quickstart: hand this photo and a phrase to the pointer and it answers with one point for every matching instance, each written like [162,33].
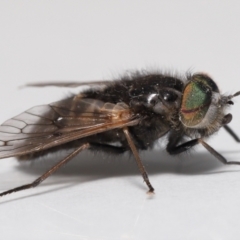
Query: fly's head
[202,106]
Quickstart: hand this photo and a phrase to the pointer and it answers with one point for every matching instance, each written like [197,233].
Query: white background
[99,197]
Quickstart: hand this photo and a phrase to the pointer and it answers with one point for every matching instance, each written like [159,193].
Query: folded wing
[46,126]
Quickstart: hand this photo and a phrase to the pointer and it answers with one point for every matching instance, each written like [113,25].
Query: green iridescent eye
[196,100]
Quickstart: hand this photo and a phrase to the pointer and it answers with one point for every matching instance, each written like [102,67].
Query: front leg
[232,133]
[173,148]
[174,139]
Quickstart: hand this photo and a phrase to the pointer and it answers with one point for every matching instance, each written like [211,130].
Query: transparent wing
[46,126]
[67,84]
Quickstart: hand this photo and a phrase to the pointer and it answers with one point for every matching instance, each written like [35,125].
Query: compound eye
[196,100]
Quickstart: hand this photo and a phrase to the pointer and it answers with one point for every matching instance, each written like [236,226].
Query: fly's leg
[232,133]
[217,155]
[187,145]
[49,172]
[138,160]
[173,149]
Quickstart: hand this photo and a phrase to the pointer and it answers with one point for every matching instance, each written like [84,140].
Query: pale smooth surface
[99,197]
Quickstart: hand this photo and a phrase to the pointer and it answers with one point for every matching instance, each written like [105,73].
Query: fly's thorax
[163,102]
[202,106]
